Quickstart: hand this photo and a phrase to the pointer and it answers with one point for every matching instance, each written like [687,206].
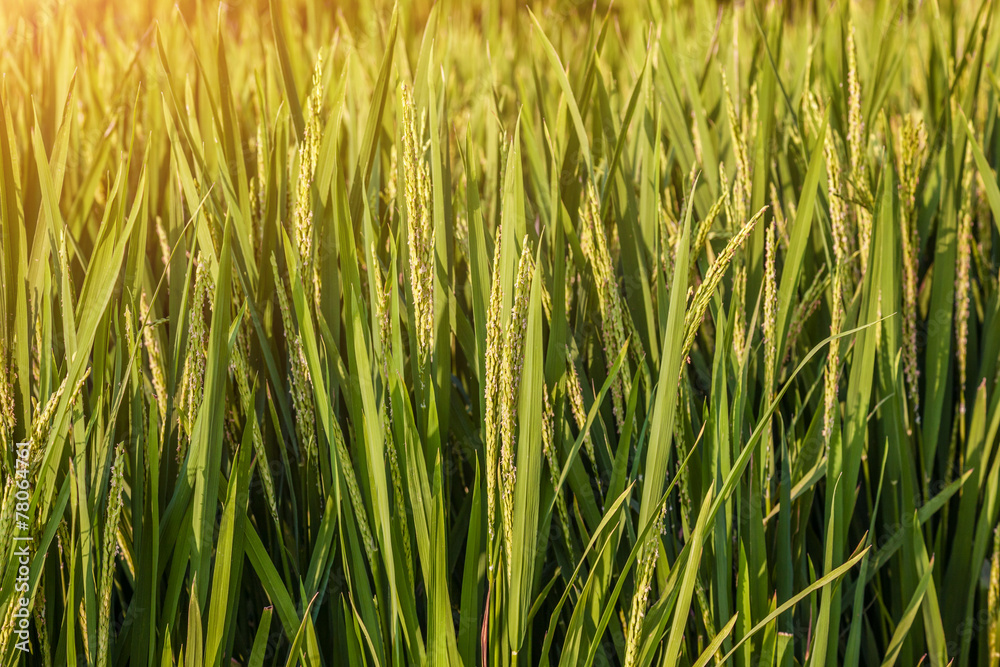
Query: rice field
[476,333]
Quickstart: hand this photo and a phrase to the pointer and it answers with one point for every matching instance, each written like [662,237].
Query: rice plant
[482,334]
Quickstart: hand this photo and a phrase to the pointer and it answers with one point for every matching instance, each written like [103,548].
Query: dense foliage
[480,334]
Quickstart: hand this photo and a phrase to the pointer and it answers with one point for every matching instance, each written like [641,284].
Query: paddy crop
[474,333]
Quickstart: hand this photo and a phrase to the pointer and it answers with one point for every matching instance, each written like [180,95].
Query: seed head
[193,375]
[164,242]
[548,449]
[260,180]
[649,552]
[7,517]
[576,407]
[308,151]
[241,372]
[7,418]
[382,313]
[770,312]
[391,184]
[779,217]
[727,195]
[494,344]
[420,229]
[354,492]
[40,626]
[912,141]
[152,346]
[833,360]
[703,295]
[613,318]
[42,423]
[510,381]
[809,304]
[300,379]
[855,125]
[962,275]
[742,189]
[701,234]
[838,205]
[397,486]
[110,544]
[859,189]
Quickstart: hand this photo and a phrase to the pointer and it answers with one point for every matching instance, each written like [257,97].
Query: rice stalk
[420,231]
[509,392]
[109,551]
